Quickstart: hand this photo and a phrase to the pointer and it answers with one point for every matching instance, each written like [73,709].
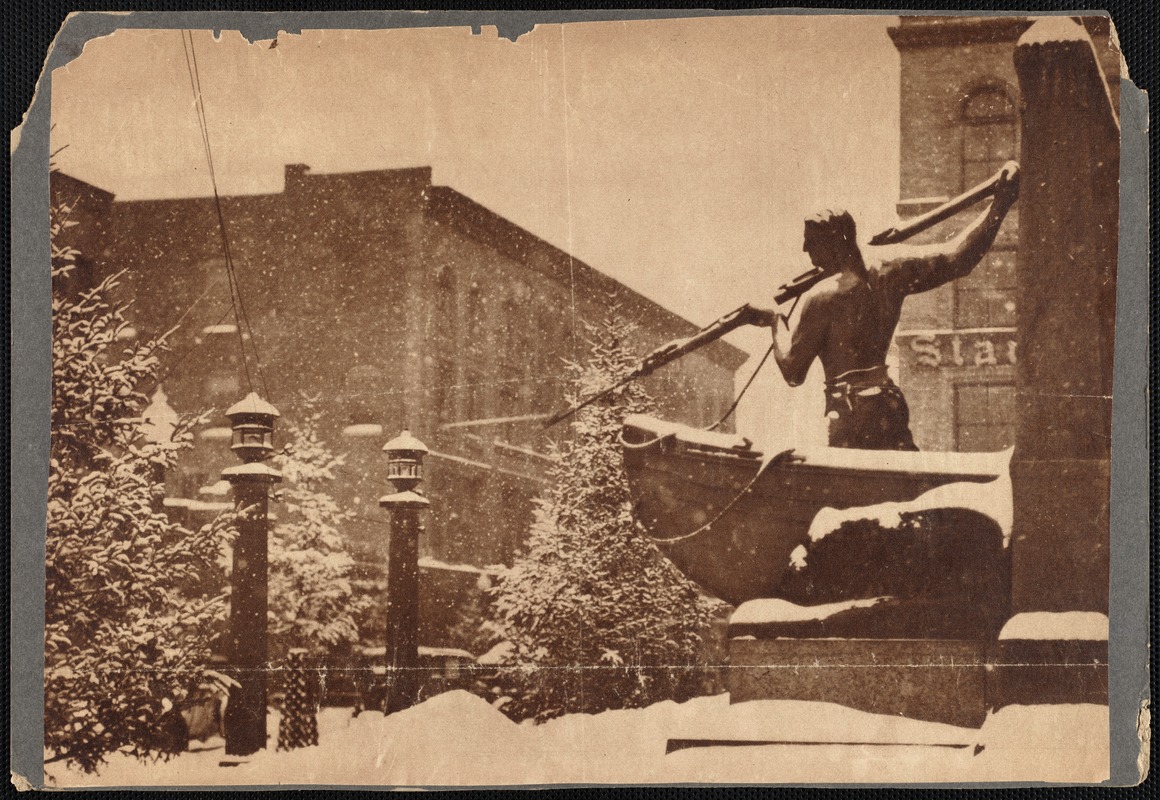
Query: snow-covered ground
[457,739]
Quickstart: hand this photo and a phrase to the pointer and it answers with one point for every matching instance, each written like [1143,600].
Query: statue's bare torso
[859,316]
[847,321]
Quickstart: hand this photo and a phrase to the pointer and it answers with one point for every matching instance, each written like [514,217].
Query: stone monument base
[937,680]
[1039,658]
[1045,658]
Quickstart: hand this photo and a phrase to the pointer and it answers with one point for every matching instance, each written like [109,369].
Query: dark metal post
[404,470]
[245,717]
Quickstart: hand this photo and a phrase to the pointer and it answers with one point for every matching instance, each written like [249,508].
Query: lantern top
[252,404]
[405,442]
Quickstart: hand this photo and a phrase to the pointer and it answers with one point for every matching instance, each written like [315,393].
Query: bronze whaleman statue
[849,316]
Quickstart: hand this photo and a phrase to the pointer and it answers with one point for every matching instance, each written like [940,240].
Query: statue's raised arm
[849,310]
[929,266]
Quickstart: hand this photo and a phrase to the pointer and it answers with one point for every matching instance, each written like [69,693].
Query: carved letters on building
[969,347]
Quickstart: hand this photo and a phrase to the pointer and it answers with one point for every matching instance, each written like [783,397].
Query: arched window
[986,298]
[364,389]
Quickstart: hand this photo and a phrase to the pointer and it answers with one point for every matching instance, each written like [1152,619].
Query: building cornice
[450,207]
[922,31]
[918,31]
[59,180]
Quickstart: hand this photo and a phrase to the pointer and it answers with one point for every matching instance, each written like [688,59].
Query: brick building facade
[959,115]
[395,304]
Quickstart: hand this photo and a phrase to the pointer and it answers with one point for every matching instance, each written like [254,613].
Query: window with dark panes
[984,417]
[363,389]
[512,360]
[446,322]
[986,297]
[476,378]
[512,355]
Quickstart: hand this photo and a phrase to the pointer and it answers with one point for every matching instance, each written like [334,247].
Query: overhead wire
[237,303]
[203,129]
[188,351]
[221,218]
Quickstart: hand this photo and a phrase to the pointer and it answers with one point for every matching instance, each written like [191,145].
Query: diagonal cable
[236,300]
[221,218]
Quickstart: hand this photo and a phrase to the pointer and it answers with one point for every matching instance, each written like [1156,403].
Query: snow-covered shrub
[594,616]
[128,614]
[312,601]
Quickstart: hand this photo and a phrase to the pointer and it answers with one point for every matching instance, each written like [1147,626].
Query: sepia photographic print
[711,399]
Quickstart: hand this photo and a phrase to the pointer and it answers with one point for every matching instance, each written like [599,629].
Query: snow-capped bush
[312,601]
[128,613]
[596,618]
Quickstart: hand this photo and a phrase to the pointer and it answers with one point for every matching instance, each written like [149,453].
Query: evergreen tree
[312,602]
[594,616]
[128,614]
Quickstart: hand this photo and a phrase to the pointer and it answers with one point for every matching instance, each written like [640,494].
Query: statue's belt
[843,391]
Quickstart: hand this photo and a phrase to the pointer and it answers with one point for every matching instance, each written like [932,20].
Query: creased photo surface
[704,400]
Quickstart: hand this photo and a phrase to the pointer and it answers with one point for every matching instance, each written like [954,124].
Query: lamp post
[405,471]
[252,421]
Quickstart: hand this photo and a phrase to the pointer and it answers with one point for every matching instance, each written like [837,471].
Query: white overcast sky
[677,156]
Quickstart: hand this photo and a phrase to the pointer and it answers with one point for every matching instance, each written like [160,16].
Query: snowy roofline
[453,207]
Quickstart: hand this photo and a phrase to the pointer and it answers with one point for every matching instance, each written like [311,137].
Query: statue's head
[830,237]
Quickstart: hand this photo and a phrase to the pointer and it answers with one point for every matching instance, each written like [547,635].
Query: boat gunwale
[792,465]
[671,444]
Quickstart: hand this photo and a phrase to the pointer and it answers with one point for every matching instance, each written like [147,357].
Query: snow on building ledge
[771,610]
[426,562]
[1088,626]
[195,505]
[365,430]
[220,330]
[219,489]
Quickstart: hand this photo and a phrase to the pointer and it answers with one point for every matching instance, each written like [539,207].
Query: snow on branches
[128,613]
[596,618]
[312,602]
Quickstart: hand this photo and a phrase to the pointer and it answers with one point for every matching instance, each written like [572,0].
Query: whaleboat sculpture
[730,516]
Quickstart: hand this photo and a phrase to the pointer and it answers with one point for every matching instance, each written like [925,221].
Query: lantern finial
[252,423]
[405,461]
